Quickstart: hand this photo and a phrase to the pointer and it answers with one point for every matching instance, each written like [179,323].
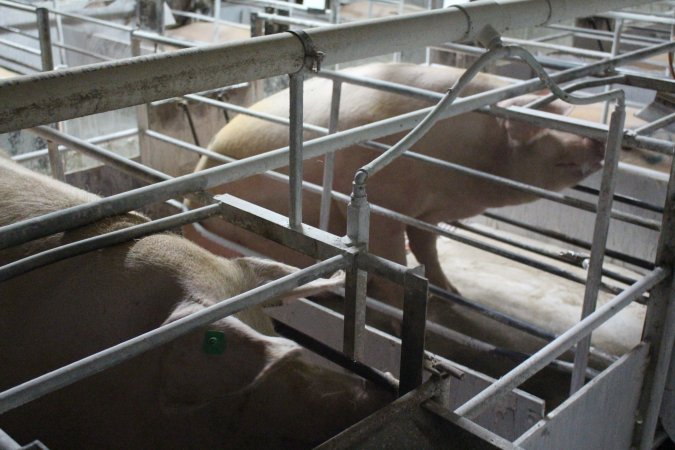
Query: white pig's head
[549,159]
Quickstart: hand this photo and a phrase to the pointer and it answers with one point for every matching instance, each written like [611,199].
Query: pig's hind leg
[423,246]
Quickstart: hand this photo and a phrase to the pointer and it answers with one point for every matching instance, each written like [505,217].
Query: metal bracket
[313,56]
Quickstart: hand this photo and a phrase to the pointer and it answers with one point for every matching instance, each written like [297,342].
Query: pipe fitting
[489,38]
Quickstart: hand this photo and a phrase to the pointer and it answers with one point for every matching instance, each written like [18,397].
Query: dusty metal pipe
[38,99]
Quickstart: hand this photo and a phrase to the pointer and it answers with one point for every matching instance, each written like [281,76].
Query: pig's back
[245,136]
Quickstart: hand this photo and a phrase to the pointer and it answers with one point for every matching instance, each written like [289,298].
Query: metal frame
[250,216]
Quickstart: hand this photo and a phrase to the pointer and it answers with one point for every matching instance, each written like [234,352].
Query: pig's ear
[224,359]
[524,132]
[266,270]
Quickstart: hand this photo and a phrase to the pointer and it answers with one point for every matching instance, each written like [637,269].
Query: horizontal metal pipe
[286,20]
[45,98]
[126,165]
[80,51]
[623,199]
[656,125]
[105,240]
[64,376]
[62,148]
[638,16]
[555,255]
[253,113]
[19,32]
[540,359]
[569,240]
[562,48]
[159,39]
[14,45]
[590,33]
[18,6]
[83,18]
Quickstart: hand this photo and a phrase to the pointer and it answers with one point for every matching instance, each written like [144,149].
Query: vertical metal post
[616,42]
[216,23]
[55,161]
[150,14]
[658,330]
[295,144]
[358,223]
[59,36]
[329,159]
[601,227]
[416,291]
[45,36]
[142,120]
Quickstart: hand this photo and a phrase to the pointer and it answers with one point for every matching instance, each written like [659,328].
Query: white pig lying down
[545,300]
[546,158]
[253,390]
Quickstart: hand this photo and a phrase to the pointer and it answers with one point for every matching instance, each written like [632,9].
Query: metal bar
[655,125]
[97,140]
[411,401]
[18,6]
[600,231]
[249,112]
[329,158]
[570,240]
[105,240]
[358,228]
[616,42]
[295,145]
[621,15]
[606,35]
[33,98]
[286,20]
[622,199]
[19,32]
[24,48]
[540,359]
[354,312]
[7,443]
[70,48]
[56,161]
[556,255]
[44,34]
[416,289]
[335,356]
[83,18]
[113,159]
[562,48]
[64,376]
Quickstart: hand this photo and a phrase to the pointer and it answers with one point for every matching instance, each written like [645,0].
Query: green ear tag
[214,342]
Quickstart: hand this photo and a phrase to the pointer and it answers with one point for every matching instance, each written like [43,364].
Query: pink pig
[549,159]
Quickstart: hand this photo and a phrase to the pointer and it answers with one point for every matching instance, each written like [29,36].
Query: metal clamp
[313,56]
